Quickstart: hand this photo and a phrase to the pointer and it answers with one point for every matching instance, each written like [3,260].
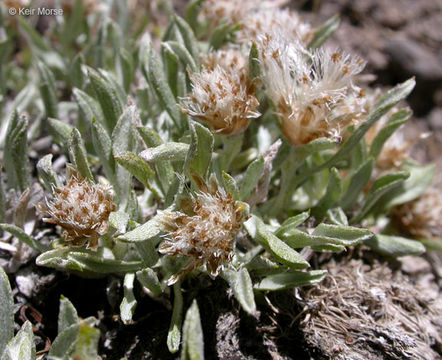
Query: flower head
[81,208]
[234,11]
[422,217]
[271,21]
[397,148]
[222,100]
[205,231]
[313,92]
[233,61]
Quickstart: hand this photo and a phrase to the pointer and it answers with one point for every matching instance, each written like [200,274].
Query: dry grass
[364,312]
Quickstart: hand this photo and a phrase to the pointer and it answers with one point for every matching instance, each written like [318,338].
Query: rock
[435,119]
[414,59]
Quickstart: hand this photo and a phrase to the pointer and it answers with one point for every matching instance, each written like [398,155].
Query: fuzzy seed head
[283,21]
[233,61]
[234,11]
[313,92]
[397,147]
[221,100]
[422,217]
[206,233]
[82,209]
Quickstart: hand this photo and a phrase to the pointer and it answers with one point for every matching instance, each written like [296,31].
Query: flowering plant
[237,145]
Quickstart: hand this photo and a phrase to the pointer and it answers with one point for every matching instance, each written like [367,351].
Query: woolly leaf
[199,155]
[23,237]
[67,316]
[138,168]
[254,62]
[421,177]
[290,280]
[64,344]
[193,343]
[88,106]
[241,284]
[103,147]
[230,185]
[280,250]
[85,261]
[394,122]
[251,178]
[108,98]
[331,196]
[223,34]
[60,131]
[324,32]
[192,11]
[292,223]
[78,155]
[174,334]
[129,303]
[182,53]
[331,236]
[16,159]
[47,174]
[381,186]
[158,82]
[22,345]
[86,346]
[171,151]
[163,168]
[188,36]
[149,279]
[357,183]
[6,311]
[395,246]
[144,232]
[48,90]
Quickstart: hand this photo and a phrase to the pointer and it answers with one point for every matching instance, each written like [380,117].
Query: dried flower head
[234,11]
[271,21]
[313,92]
[222,100]
[231,60]
[422,217]
[205,231]
[82,209]
[397,148]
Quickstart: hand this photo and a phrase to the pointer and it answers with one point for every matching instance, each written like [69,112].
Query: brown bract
[82,209]
[205,230]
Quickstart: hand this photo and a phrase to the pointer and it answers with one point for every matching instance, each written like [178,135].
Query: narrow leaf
[78,155]
[280,250]
[395,246]
[22,345]
[144,232]
[381,186]
[171,151]
[47,174]
[174,334]
[6,311]
[149,279]
[193,343]
[324,32]
[251,178]
[22,236]
[129,303]
[241,284]
[290,280]
[108,98]
[67,316]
